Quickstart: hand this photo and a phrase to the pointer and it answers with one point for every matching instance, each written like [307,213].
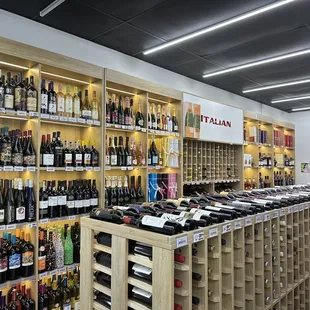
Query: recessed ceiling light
[258,63]
[276,86]
[300,109]
[290,99]
[219,25]
[51,7]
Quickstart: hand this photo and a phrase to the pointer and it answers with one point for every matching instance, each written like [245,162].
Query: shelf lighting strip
[219,25]
[121,91]
[157,100]
[290,99]
[64,77]
[13,65]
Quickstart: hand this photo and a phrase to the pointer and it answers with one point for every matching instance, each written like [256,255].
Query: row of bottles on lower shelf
[58,246]
[16,256]
[69,198]
[62,292]
[162,186]
[18,298]
[15,149]
[120,193]
[80,154]
[17,201]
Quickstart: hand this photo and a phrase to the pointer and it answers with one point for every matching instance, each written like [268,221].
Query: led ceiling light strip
[258,63]
[64,77]
[290,99]
[276,86]
[300,109]
[13,65]
[51,7]
[219,25]
[121,91]
[157,100]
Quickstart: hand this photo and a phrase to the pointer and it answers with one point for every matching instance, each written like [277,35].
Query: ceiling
[132,26]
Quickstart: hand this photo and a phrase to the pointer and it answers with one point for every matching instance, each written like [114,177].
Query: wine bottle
[5,148]
[44,98]
[2,88]
[187,224]
[175,123]
[121,158]
[43,197]
[51,97]
[139,192]
[58,152]
[76,104]
[216,216]
[139,116]
[27,250]
[128,120]
[3,262]
[113,153]
[9,93]
[133,194]
[121,115]
[20,204]
[30,203]
[128,158]
[86,107]
[159,118]
[120,193]
[95,107]
[14,303]
[103,278]
[94,195]
[14,258]
[54,299]
[113,191]
[17,150]
[104,239]
[154,153]
[48,154]
[112,216]
[103,258]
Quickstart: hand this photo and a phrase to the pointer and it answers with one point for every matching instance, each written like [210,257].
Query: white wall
[302,143]
[23,30]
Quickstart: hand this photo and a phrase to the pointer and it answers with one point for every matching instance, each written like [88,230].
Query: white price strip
[21,113]
[267,217]
[118,126]
[107,168]
[72,119]
[124,127]
[79,168]
[8,168]
[138,128]
[18,168]
[81,120]
[2,110]
[90,122]
[275,214]
[31,169]
[50,169]
[282,212]
[157,167]
[108,125]
[96,123]
[2,227]
[45,116]
[258,219]
[129,168]
[289,210]
[43,275]
[31,225]
[296,209]
[89,168]
[63,119]
[33,114]
[62,270]
[177,134]
[53,272]
[123,168]
[72,217]
[11,226]
[54,117]
[69,169]
[96,168]
[199,236]
[226,228]
[182,241]
[238,225]
[213,232]
[44,221]
[71,267]
[143,129]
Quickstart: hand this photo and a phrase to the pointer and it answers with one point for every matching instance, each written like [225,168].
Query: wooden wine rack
[258,262]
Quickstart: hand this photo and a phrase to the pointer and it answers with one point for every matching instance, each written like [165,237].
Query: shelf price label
[11,226]
[107,168]
[31,225]
[267,217]
[46,116]
[63,118]
[89,168]
[96,168]
[43,275]
[275,214]
[79,168]
[50,169]
[238,225]
[248,221]
[226,228]
[81,120]
[96,123]
[129,168]
[33,114]
[2,110]
[44,221]
[72,217]
[54,117]
[21,113]
[18,168]
[72,119]
[143,129]
[90,122]
[31,169]
[213,232]
[182,241]
[8,168]
[2,227]
[258,218]
[69,169]
[199,236]
[123,168]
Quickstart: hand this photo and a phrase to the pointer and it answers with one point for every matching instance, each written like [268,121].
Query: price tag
[267,217]
[50,169]
[70,267]
[226,228]
[108,125]
[62,270]
[130,127]
[151,130]
[123,168]
[182,241]
[282,212]
[238,225]
[44,221]
[2,227]
[81,120]
[46,116]
[21,113]
[53,272]
[89,168]
[177,134]
[79,168]
[129,168]
[157,167]
[96,168]
[107,168]
[296,209]
[33,114]
[124,127]
[54,117]
[2,110]
[213,232]
[43,275]
[258,219]
[90,122]
[96,123]
[162,132]
[31,225]
[275,214]
[143,129]
[31,169]
[0,168]
[11,226]
[118,126]
[138,128]
[63,119]
[69,168]
[18,168]
[289,210]
[8,168]
[72,119]
[199,236]
[72,217]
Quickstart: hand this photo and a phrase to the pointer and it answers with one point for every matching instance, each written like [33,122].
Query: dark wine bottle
[29,152]
[14,258]
[30,203]
[104,239]
[43,207]
[103,258]
[3,262]
[70,200]
[103,278]
[94,195]
[20,204]
[44,99]
[27,252]
[140,194]
[112,216]
[133,194]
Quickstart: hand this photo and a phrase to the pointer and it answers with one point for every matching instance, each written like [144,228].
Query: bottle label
[17,159]
[43,204]
[14,261]
[6,153]
[143,161]
[8,101]
[27,259]
[174,217]
[69,105]
[129,160]
[149,161]
[67,307]
[141,269]
[48,159]
[42,262]
[62,200]
[94,115]
[154,125]
[30,160]
[134,162]
[70,204]
[77,108]
[155,159]
[32,100]
[153,221]
[141,122]
[52,104]
[68,158]
[107,159]
[2,97]
[78,204]
[56,307]
[20,98]
[76,305]
[87,159]
[20,213]
[86,113]
[86,203]
[93,202]
[113,160]
[141,292]
[52,201]
[44,101]
[1,216]
[61,104]
[78,158]
[3,264]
